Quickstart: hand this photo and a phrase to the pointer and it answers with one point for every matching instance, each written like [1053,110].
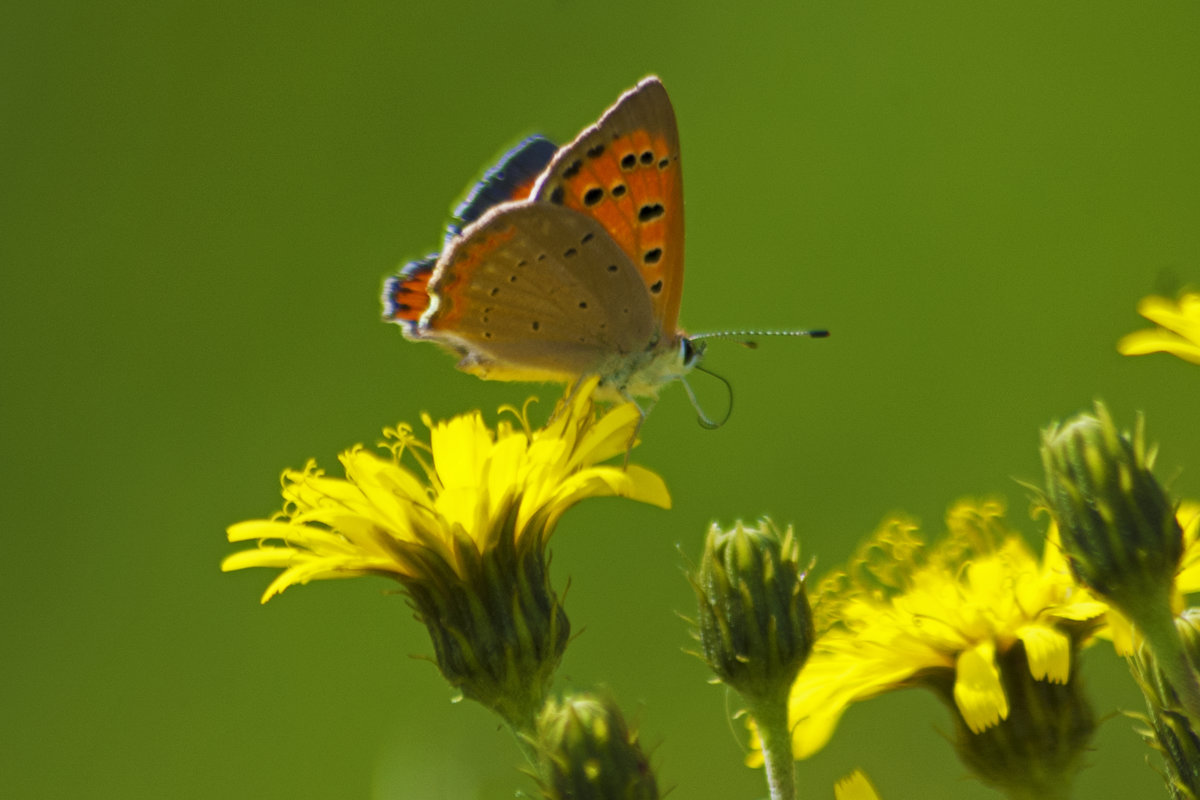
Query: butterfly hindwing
[625,172]
[534,291]
[406,294]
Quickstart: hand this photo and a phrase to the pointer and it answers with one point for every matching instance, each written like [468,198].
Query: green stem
[771,717]
[1162,638]
[525,742]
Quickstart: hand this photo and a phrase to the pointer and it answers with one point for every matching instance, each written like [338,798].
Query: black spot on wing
[650,211]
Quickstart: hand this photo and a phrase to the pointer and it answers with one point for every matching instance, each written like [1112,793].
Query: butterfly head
[647,373]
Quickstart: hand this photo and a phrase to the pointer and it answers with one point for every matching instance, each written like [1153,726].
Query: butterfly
[566,262]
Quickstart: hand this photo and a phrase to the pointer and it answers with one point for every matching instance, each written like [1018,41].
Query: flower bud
[756,625]
[1117,525]
[586,752]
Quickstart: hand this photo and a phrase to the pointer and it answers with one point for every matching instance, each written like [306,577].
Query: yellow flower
[465,535]
[1179,333]
[904,614]
[383,518]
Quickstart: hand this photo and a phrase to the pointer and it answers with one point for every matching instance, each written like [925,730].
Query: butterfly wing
[625,173]
[536,291]
[513,178]
[406,294]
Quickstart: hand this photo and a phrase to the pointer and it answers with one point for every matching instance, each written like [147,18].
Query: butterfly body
[578,272]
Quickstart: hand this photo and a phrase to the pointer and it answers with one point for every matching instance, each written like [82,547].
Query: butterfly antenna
[748,337]
[706,421]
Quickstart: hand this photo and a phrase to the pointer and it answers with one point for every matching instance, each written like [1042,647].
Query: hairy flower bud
[1117,525]
[756,626]
[586,752]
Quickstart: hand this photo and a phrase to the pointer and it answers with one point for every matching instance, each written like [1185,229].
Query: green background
[199,202]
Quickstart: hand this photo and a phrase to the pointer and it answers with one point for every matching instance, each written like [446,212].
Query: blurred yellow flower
[472,482]
[1179,331]
[903,614]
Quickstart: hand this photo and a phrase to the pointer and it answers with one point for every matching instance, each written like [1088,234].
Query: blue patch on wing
[511,179]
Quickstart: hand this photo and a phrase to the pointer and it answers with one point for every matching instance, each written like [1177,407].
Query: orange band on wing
[454,278]
[631,186]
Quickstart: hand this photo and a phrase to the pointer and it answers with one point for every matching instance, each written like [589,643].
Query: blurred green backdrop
[200,200]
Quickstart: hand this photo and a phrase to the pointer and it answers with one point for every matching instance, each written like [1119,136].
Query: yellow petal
[1188,579]
[304,536]
[460,445]
[648,487]
[1182,317]
[612,435]
[635,483]
[1157,340]
[255,529]
[260,557]
[855,786]
[391,490]
[1048,652]
[1079,610]
[831,681]
[1120,630]
[977,690]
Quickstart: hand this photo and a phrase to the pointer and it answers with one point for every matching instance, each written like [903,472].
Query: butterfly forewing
[625,173]
[537,291]
[512,178]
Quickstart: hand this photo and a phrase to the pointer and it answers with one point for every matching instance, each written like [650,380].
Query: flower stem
[1162,637]
[525,742]
[771,716]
